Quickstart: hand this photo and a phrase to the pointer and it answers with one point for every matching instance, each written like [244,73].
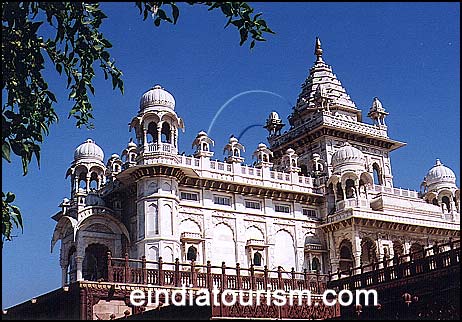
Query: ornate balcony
[161,148]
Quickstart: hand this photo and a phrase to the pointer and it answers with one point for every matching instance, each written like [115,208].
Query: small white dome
[131,144]
[157,96]
[274,116]
[115,156]
[440,174]
[262,146]
[348,155]
[88,150]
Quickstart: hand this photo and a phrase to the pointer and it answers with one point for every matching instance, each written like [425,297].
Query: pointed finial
[318,50]
[438,162]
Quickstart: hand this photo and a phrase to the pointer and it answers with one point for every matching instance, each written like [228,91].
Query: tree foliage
[11,216]
[239,14]
[75,49]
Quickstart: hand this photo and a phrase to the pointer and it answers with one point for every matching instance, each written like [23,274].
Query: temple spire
[318,50]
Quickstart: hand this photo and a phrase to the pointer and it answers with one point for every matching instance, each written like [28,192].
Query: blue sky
[407,54]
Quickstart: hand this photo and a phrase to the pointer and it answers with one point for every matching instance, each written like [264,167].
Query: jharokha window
[257,259]
[192,253]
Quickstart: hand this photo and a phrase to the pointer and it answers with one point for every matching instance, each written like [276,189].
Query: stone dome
[115,156]
[157,96]
[131,144]
[89,150]
[440,175]
[348,156]
[274,116]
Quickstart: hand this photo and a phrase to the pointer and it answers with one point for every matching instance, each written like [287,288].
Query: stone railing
[352,203]
[255,242]
[358,127]
[394,191]
[160,148]
[427,260]
[326,118]
[248,175]
[164,153]
[132,271]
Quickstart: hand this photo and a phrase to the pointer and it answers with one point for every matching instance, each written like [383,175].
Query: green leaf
[59,68]
[162,15]
[105,55]
[10,197]
[51,96]
[6,151]
[157,22]
[175,13]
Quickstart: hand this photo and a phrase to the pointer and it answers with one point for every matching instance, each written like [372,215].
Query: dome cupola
[89,150]
[348,158]
[440,176]
[157,97]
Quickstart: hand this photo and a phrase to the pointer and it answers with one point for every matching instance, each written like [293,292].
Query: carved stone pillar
[145,138]
[159,134]
[172,137]
[79,264]
[87,188]
[63,275]
[344,191]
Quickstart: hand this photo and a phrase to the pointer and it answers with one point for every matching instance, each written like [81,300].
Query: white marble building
[320,197]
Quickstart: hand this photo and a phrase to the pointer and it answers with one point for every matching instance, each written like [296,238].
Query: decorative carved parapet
[190,236]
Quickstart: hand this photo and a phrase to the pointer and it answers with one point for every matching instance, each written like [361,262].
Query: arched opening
[236,152]
[446,203]
[435,201]
[362,188]
[416,251]
[71,266]
[94,181]
[315,264]
[368,251]
[223,246]
[95,262]
[257,259]
[205,146]
[165,133]
[377,174]
[151,134]
[346,255]
[265,158]
[398,249]
[83,180]
[293,163]
[284,250]
[330,197]
[339,192]
[319,167]
[350,189]
[304,170]
[191,254]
